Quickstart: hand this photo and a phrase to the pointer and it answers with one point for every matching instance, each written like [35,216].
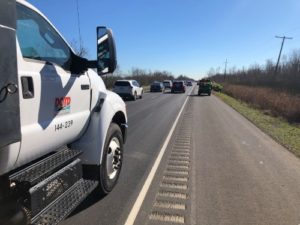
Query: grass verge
[279,129]
[278,103]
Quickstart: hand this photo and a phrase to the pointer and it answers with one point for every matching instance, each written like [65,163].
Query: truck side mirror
[106,51]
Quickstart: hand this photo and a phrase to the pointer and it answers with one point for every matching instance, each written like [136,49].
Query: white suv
[128,89]
[167,84]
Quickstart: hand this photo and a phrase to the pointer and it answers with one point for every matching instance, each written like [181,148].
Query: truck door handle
[27,87]
[85,87]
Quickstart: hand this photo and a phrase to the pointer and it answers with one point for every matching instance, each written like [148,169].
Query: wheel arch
[120,119]
[92,142]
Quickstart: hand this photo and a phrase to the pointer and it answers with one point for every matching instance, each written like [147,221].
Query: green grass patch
[279,129]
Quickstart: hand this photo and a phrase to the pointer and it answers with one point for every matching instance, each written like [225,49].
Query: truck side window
[38,39]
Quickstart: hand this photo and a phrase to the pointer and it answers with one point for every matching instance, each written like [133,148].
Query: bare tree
[80,50]
[211,72]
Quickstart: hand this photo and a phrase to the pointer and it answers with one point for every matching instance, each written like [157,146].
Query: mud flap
[10,131]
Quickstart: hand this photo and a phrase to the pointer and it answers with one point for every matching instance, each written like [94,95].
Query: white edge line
[138,203]
[6,27]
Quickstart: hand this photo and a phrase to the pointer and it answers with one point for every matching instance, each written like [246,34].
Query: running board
[42,169]
[65,204]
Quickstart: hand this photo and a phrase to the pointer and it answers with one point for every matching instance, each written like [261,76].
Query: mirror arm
[92,64]
[79,65]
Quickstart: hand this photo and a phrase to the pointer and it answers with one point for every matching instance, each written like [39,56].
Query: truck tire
[112,159]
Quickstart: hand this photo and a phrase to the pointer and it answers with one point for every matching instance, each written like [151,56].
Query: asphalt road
[231,174]
[242,175]
[149,120]
[218,169]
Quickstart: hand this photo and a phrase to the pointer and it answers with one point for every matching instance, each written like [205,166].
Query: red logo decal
[63,103]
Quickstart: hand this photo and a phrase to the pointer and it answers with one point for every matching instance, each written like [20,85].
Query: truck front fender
[112,109]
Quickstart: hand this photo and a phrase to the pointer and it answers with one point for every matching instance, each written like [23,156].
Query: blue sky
[182,36]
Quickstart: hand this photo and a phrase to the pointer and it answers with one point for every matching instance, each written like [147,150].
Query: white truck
[61,131]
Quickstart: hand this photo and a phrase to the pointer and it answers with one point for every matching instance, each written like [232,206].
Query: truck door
[9,96]
[55,104]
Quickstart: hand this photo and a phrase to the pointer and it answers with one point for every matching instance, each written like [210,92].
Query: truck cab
[56,116]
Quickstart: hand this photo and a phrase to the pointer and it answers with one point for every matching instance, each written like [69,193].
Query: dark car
[178,86]
[157,87]
[205,86]
[189,83]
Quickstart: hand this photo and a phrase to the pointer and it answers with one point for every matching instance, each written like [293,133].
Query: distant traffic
[132,90]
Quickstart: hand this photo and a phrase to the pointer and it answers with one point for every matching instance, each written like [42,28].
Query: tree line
[144,77]
[286,78]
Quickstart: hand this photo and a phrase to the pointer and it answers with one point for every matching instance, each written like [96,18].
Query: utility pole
[283,39]
[226,62]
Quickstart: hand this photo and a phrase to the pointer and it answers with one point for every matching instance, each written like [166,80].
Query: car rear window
[178,84]
[122,83]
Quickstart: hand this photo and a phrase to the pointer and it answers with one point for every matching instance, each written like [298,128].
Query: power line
[283,39]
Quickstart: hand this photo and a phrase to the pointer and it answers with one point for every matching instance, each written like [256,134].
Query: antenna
[78,24]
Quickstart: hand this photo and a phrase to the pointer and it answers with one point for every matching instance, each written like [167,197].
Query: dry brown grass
[273,102]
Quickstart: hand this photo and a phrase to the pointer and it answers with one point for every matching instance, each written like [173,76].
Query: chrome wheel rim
[113,159]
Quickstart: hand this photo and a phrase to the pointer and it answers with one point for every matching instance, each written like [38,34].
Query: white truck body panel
[41,130]
[92,142]
[8,157]
[39,116]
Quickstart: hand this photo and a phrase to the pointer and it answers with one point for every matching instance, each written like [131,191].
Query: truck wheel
[112,159]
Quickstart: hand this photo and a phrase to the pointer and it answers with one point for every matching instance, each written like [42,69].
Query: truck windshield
[38,39]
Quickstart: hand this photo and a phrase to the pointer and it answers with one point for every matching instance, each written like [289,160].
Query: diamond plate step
[40,170]
[65,204]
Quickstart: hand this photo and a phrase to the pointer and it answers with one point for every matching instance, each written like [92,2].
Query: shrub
[217,87]
[272,101]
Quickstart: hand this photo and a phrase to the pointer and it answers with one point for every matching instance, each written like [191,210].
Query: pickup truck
[62,133]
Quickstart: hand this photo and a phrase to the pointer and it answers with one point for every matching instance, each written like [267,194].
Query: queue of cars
[131,89]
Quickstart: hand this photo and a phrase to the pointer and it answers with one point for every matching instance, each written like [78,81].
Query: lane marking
[6,27]
[140,199]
